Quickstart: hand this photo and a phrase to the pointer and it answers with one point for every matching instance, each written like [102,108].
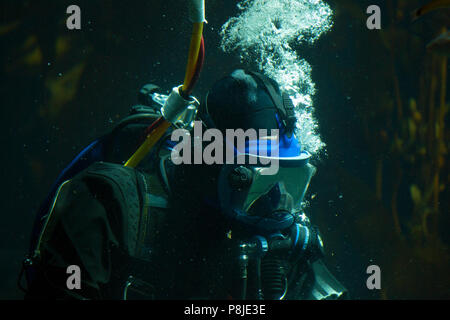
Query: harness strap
[50,219]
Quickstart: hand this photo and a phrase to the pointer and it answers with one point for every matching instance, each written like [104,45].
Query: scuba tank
[179,109]
[113,147]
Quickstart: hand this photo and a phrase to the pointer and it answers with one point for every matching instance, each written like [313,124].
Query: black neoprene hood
[239,101]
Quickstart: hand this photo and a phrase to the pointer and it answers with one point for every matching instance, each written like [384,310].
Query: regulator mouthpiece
[197,11]
[175,105]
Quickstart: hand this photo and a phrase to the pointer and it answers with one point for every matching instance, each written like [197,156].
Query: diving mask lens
[292,181]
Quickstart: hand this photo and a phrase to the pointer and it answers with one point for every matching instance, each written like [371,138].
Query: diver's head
[246,99]
[249,190]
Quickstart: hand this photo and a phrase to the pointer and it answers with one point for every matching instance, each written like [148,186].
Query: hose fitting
[175,105]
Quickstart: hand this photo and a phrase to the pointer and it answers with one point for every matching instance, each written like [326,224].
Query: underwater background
[380,195]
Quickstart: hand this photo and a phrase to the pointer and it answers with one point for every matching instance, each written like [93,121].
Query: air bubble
[265,33]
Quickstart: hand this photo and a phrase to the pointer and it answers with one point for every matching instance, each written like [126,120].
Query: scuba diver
[186,231]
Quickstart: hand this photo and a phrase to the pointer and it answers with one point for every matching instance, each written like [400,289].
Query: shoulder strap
[49,223]
[128,195]
[155,202]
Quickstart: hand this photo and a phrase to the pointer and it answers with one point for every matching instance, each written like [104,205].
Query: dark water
[61,89]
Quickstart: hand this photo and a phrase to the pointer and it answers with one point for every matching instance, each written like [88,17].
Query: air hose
[198,68]
[193,59]
[274,281]
[179,98]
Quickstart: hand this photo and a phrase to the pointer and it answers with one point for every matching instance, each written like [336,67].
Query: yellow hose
[159,131]
[194,50]
[148,144]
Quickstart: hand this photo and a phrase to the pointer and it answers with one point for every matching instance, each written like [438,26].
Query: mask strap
[283,103]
